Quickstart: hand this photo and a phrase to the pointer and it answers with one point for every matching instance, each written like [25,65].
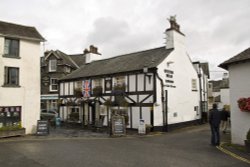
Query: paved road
[189,147]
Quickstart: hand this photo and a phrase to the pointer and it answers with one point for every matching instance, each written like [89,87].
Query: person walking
[224,119]
[214,121]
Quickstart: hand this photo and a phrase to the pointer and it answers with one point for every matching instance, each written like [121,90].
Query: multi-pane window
[53,104]
[53,84]
[11,76]
[194,84]
[52,65]
[78,84]
[120,80]
[97,82]
[11,47]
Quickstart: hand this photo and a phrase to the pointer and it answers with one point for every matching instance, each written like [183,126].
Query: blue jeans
[215,139]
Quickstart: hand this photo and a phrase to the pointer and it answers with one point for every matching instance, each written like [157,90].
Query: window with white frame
[53,84]
[52,65]
[194,85]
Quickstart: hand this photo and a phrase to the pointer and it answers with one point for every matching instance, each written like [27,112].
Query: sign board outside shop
[42,127]
[118,125]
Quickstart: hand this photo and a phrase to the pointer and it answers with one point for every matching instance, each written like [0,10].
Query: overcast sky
[215,29]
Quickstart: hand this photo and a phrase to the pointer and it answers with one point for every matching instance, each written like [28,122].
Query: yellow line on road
[233,155]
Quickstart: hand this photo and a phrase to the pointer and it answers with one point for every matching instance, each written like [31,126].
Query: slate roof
[19,31]
[124,63]
[79,59]
[220,84]
[241,57]
[66,58]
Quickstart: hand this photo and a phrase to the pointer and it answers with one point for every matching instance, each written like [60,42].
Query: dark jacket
[224,115]
[214,117]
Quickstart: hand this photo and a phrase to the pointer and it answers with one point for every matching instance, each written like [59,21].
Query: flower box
[12,133]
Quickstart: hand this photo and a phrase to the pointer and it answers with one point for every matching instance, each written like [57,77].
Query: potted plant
[120,101]
[14,130]
[247,141]
[119,89]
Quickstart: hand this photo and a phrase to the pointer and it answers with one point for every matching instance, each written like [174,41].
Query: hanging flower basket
[244,104]
[97,91]
[78,92]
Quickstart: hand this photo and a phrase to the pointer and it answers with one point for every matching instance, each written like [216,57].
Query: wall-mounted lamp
[145,71]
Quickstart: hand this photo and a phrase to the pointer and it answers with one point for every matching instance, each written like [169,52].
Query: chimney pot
[85,51]
[93,49]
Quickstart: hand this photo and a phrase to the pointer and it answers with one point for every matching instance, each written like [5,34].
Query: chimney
[85,51]
[173,24]
[92,54]
[93,49]
[174,37]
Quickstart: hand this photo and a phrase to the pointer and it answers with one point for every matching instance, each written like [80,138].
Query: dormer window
[52,65]
[11,48]
[67,69]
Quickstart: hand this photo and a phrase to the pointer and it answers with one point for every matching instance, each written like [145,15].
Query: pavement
[235,151]
[65,133]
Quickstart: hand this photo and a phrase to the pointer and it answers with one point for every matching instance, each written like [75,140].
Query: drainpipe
[165,115]
[200,91]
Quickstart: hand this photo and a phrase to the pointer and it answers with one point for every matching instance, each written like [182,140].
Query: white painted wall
[28,95]
[224,95]
[181,100]
[131,83]
[239,87]
[90,57]
[136,117]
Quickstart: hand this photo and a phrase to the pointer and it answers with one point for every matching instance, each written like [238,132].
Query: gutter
[165,114]
[200,92]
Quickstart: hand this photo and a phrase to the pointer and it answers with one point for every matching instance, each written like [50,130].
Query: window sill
[12,57]
[53,90]
[11,86]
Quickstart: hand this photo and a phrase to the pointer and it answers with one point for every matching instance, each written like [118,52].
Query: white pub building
[159,86]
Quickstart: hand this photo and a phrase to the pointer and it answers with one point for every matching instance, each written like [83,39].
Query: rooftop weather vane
[172,18]
[173,24]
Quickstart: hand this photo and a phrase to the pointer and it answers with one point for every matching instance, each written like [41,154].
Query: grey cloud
[108,30]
